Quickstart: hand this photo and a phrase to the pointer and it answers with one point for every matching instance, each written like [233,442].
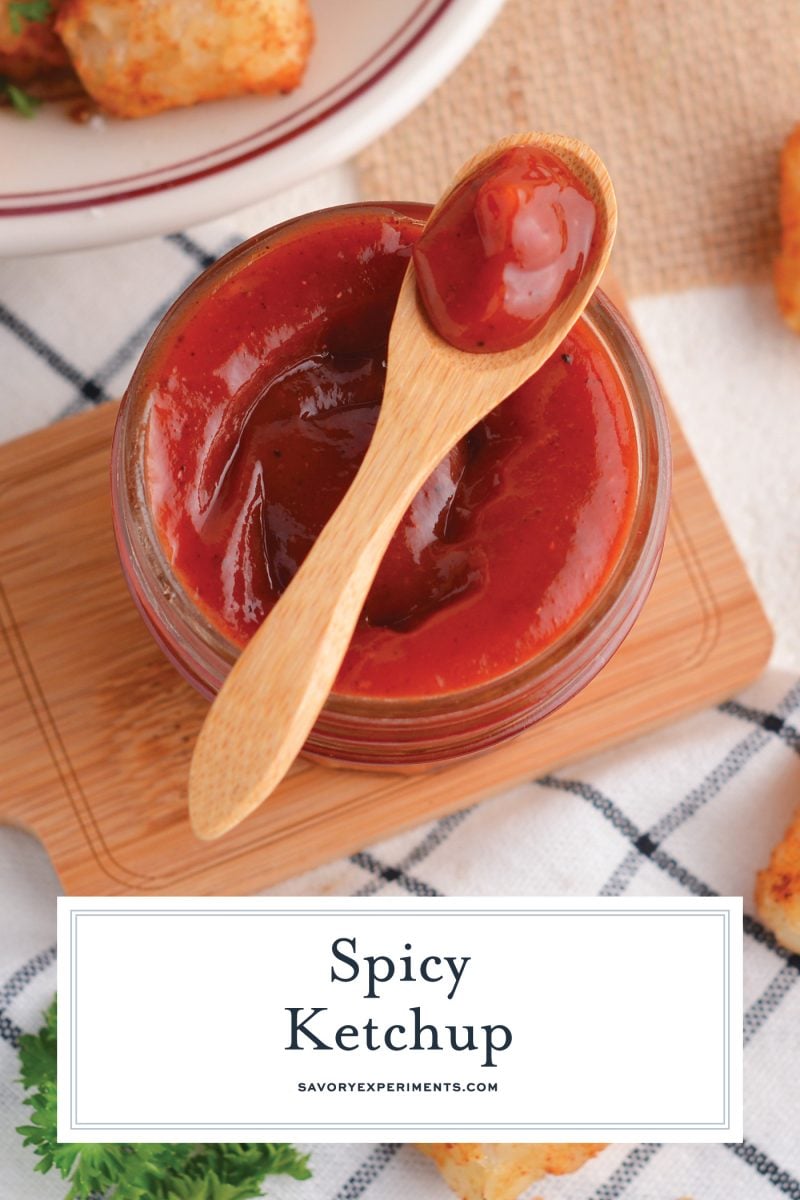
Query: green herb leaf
[27,10]
[224,1171]
[37,1054]
[211,1188]
[25,104]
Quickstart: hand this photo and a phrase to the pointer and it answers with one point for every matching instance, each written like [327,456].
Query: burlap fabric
[688,101]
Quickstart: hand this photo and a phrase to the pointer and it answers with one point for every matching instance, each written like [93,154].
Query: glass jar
[402,734]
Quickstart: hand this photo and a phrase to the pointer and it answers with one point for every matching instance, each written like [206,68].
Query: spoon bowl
[434,395]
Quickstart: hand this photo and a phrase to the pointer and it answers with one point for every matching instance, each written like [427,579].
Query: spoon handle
[290,665]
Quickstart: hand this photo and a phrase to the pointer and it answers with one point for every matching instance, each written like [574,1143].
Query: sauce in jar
[507,247]
[261,403]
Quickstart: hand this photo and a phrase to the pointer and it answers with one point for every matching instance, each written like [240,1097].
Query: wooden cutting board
[98,728]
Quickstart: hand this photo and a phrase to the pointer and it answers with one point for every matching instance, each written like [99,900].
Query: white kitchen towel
[693,809]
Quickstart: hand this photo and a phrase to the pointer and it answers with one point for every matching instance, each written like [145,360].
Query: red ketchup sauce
[508,245]
[261,405]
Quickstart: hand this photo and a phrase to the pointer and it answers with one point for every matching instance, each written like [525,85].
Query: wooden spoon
[434,395]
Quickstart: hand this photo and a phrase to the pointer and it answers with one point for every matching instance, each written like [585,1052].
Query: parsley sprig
[20,11]
[25,104]
[27,10]
[225,1171]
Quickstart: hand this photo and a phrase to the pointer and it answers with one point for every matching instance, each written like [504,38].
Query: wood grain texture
[434,395]
[98,728]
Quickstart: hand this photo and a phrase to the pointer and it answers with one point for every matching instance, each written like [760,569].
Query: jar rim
[207,654]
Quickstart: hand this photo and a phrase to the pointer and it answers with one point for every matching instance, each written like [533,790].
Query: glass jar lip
[164,601]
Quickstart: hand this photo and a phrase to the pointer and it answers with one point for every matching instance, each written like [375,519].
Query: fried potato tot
[137,57]
[787,265]
[778,890]
[491,1171]
[29,49]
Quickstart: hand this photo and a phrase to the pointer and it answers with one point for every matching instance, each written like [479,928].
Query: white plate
[65,186]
